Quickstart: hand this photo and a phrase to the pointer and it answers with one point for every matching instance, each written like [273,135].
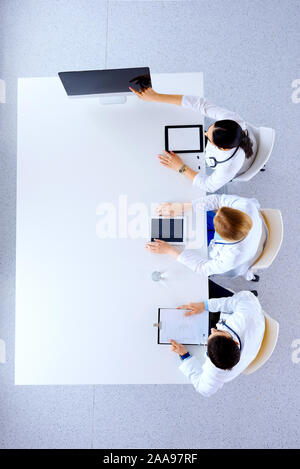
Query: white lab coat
[230,260]
[247,320]
[224,172]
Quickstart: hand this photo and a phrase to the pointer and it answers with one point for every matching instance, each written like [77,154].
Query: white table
[85,306]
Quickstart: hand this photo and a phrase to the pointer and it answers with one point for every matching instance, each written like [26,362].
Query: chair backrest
[265,137]
[267,346]
[273,220]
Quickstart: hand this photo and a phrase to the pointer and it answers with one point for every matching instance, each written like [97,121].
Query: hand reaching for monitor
[146,94]
[193,308]
[170,160]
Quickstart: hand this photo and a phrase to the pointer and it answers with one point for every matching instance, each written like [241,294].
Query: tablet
[184,138]
[171,230]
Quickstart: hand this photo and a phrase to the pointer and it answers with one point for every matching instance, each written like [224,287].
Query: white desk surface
[85,306]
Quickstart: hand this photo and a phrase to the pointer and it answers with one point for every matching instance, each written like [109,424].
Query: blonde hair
[232,224]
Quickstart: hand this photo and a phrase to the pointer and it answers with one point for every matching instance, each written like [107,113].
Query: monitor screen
[105,81]
[167,229]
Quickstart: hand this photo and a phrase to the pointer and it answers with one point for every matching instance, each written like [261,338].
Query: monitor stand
[119,99]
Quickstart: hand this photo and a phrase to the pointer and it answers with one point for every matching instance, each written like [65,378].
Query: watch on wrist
[184,356]
[182,169]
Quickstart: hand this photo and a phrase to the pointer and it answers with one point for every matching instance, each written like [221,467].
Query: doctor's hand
[193,308]
[170,209]
[178,348]
[146,94]
[162,247]
[171,160]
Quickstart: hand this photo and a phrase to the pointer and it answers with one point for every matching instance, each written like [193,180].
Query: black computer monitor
[109,82]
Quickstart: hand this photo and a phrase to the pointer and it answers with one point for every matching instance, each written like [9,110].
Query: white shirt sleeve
[207,202]
[216,201]
[241,301]
[210,110]
[200,266]
[203,381]
[217,179]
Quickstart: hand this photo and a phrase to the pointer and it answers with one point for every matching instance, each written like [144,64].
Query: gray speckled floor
[249,53]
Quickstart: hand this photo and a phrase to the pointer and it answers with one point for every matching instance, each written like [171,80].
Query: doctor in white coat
[239,238]
[231,145]
[232,345]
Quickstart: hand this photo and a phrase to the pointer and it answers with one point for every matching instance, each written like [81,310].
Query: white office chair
[265,137]
[267,346]
[273,220]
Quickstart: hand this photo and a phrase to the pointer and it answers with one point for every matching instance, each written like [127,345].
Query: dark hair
[229,134]
[223,352]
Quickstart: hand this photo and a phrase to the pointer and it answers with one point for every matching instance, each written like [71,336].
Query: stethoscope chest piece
[223,323]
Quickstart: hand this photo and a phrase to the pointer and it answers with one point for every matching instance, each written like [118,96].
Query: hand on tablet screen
[162,247]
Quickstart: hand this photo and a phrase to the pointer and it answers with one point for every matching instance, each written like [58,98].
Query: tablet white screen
[186,139]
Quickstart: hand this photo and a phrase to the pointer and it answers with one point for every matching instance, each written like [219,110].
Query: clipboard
[159,325]
[194,150]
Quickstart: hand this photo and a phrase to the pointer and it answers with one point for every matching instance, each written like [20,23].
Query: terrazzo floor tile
[46,417]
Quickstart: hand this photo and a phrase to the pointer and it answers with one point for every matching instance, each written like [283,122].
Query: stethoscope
[223,323]
[226,244]
[215,162]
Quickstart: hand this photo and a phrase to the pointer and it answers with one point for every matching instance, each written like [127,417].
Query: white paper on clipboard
[184,329]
